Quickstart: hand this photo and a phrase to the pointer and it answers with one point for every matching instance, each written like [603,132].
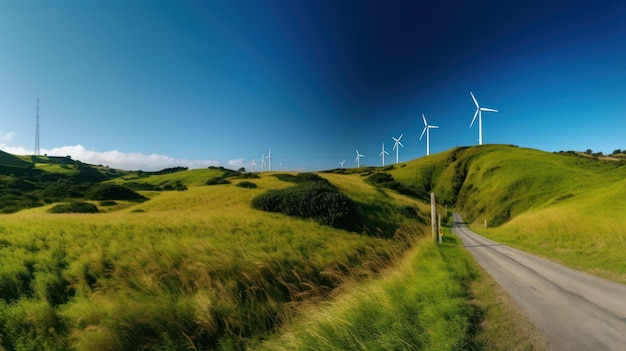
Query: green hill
[9,160]
[565,206]
[497,182]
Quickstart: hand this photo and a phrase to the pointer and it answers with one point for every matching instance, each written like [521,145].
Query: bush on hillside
[248,176]
[302,178]
[74,207]
[107,191]
[315,200]
[246,184]
[217,181]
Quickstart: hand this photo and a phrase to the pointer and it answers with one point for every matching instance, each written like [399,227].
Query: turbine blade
[488,109]
[434,127]
[423,131]
[424,118]
[400,137]
[473,98]
[399,143]
[473,119]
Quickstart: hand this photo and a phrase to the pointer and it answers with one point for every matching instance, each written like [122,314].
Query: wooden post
[440,230]
[433,216]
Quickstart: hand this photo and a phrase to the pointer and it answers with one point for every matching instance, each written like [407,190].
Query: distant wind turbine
[253,164]
[479,113]
[358,157]
[426,130]
[269,158]
[262,162]
[341,163]
[395,146]
[382,153]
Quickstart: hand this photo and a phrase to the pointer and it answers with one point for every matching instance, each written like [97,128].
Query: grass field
[187,269]
[200,269]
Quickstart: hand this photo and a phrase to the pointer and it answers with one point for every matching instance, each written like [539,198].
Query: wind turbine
[426,130]
[262,162]
[253,164]
[479,113]
[341,163]
[269,158]
[358,156]
[382,153]
[395,146]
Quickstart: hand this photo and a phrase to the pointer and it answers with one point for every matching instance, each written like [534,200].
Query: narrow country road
[575,310]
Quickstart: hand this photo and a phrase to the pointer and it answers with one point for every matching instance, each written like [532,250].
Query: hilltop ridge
[498,182]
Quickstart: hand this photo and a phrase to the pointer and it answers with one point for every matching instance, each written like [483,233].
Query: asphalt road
[575,310]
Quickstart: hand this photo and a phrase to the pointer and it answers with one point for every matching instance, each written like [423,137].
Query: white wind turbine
[426,130]
[382,153]
[262,162]
[395,146]
[341,163]
[479,113]
[269,158]
[253,164]
[358,157]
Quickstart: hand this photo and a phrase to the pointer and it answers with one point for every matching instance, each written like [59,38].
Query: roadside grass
[433,298]
[418,305]
[585,231]
[198,269]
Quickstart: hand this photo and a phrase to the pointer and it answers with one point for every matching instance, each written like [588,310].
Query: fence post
[433,216]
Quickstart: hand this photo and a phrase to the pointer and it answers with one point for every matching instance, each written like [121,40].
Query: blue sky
[149,84]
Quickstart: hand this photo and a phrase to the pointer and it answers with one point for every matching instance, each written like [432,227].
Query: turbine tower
[358,157]
[382,153]
[37,151]
[479,113]
[426,130]
[269,158]
[395,146]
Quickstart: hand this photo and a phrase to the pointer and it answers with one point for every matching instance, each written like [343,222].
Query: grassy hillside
[195,269]
[565,206]
[7,159]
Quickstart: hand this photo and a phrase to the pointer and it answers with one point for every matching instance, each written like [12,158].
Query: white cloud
[236,164]
[115,158]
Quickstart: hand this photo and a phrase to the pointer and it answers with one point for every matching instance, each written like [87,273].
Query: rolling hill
[196,266]
[564,206]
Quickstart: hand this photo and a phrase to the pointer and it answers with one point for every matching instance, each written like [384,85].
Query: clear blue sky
[149,84]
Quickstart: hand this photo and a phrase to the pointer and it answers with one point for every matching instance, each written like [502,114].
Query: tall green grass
[197,269]
[419,305]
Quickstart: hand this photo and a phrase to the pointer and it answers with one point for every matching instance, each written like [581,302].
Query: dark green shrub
[217,181]
[302,178]
[106,203]
[248,176]
[245,184]
[321,202]
[108,191]
[74,207]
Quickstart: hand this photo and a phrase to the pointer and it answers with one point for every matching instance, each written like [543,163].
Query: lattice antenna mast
[37,152]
